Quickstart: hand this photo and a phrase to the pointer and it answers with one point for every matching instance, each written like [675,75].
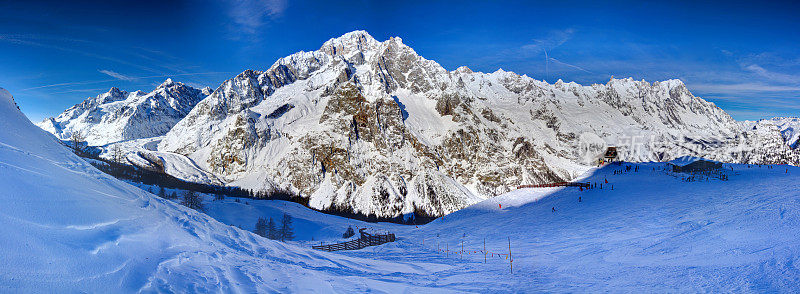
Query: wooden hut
[611,154]
[694,164]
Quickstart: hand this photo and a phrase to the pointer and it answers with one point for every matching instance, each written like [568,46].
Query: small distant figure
[606,181]
[500,205]
[554,209]
[579,198]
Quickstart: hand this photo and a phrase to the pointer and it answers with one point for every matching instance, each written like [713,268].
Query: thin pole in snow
[484,249]
[510,260]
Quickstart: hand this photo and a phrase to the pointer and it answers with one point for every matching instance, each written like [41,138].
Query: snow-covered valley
[67,227]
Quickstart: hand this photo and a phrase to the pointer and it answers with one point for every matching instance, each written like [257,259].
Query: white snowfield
[66,227]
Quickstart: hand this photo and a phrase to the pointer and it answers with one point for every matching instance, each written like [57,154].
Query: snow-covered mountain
[790,130]
[119,115]
[375,128]
[67,227]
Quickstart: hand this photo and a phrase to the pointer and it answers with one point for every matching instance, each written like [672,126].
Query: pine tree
[162,193]
[286,232]
[174,195]
[219,196]
[191,200]
[261,227]
[272,232]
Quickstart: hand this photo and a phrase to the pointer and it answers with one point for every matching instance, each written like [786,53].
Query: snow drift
[67,227]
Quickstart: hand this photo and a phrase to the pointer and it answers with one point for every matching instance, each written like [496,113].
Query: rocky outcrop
[374,128]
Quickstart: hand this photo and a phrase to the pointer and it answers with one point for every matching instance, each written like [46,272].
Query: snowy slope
[374,127]
[652,233]
[67,227]
[118,115]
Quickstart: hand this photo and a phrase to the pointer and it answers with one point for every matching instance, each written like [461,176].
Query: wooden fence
[364,241]
[559,184]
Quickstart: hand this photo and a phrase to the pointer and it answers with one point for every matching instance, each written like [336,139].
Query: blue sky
[744,56]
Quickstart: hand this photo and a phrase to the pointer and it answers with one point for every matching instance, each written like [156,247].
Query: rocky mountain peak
[463,69]
[118,115]
[348,43]
[168,82]
[374,127]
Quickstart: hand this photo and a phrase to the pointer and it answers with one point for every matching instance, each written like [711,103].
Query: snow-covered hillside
[118,115]
[654,232]
[373,127]
[66,227]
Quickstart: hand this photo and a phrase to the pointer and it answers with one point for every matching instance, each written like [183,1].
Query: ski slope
[67,227]
[653,232]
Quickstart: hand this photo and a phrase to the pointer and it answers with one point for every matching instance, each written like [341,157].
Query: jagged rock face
[373,127]
[118,115]
[790,130]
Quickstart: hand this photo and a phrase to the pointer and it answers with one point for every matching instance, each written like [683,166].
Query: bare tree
[116,153]
[77,139]
[193,201]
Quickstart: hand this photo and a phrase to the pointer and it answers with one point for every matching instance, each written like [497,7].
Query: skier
[554,209]
[579,198]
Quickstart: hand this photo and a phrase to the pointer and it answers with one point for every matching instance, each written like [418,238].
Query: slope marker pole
[510,260]
[462,248]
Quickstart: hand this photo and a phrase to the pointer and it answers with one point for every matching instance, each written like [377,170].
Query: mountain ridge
[374,128]
[120,115]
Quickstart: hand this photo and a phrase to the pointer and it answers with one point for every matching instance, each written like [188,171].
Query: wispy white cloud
[131,79]
[79,90]
[741,88]
[56,44]
[570,65]
[552,40]
[115,75]
[771,75]
[250,15]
